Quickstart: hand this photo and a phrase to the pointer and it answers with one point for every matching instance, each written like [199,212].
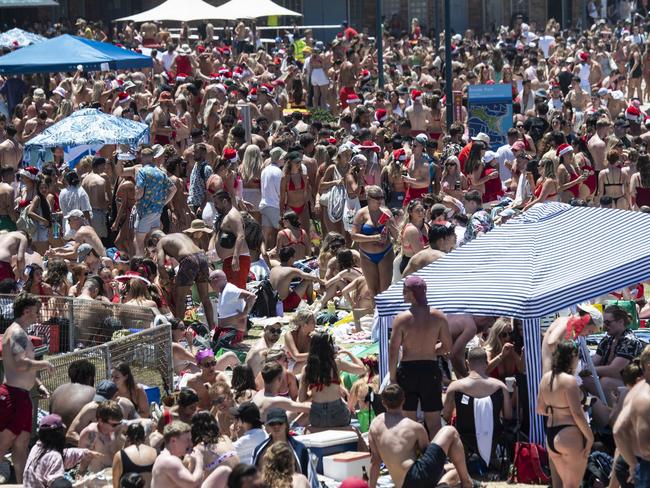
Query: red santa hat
[380,115]
[584,56]
[123,97]
[562,149]
[365,75]
[181,77]
[416,95]
[266,88]
[252,95]
[238,72]
[353,98]
[225,51]
[399,155]
[332,141]
[230,155]
[633,113]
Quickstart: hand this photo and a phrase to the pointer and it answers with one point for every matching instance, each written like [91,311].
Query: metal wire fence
[148,353]
[67,323]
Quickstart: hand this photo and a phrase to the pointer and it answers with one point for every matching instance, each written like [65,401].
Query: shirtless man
[210,152]
[597,144]
[105,391]
[7,211]
[11,151]
[229,240]
[256,356]
[149,31]
[442,240]
[161,129]
[218,140]
[282,276]
[268,106]
[418,115]
[83,234]
[395,440]
[172,471]
[98,188]
[193,267]
[417,332]
[577,96]
[463,328]
[269,397]
[103,436]
[347,78]
[20,369]
[68,399]
[12,245]
[418,177]
[232,308]
[632,428]
[588,321]
[201,382]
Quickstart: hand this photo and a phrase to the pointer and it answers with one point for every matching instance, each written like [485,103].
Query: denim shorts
[330,414]
[147,222]
[642,475]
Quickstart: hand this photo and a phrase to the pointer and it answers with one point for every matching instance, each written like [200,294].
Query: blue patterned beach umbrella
[15,38]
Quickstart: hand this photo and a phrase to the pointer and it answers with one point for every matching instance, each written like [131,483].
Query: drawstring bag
[336,203]
[530,465]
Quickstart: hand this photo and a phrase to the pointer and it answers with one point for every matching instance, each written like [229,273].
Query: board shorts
[15,410]
[193,268]
[237,278]
[270,217]
[146,223]
[421,382]
[428,469]
[98,221]
[292,301]
[7,224]
[226,338]
[414,193]
[6,271]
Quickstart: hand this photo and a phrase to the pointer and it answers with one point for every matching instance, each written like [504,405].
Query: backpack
[266,301]
[599,466]
[530,465]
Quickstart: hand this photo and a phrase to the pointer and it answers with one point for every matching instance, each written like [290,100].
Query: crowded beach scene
[325,243]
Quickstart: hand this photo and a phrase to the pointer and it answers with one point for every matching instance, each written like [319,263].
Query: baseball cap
[422,139]
[293,156]
[105,390]
[419,288]
[518,146]
[83,251]
[50,422]
[158,150]
[276,416]
[277,153]
[75,213]
[596,316]
[247,412]
[489,156]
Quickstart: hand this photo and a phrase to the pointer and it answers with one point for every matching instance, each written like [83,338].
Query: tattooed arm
[18,344]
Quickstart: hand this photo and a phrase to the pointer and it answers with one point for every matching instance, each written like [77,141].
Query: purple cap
[418,287]
[50,422]
[202,354]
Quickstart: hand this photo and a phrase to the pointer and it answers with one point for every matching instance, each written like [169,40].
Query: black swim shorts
[428,469]
[421,381]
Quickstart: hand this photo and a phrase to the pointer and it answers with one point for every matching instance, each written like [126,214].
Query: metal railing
[148,353]
[67,322]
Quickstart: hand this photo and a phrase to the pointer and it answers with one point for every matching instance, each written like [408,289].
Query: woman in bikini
[218,448]
[546,188]
[503,358]
[333,176]
[391,178]
[127,388]
[296,341]
[475,170]
[453,182]
[348,272]
[640,183]
[414,234]
[321,385]
[294,190]
[569,177]
[613,183]
[293,235]
[372,229]
[584,162]
[569,436]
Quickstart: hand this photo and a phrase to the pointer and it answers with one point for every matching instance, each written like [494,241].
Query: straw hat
[198,226]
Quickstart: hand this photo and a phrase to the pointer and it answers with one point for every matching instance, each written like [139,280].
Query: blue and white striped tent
[90,126]
[552,257]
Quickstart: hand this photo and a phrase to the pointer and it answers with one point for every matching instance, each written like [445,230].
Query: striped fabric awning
[552,257]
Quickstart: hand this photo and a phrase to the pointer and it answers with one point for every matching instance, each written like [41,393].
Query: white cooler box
[343,465]
[329,442]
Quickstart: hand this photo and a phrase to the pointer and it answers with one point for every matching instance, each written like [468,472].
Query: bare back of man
[6,205]
[281,278]
[87,235]
[11,153]
[12,244]
[419,116]
[422,259]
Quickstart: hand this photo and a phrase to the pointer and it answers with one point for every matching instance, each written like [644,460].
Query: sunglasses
[450,164]
[273,424]
[210,364]
[115,425]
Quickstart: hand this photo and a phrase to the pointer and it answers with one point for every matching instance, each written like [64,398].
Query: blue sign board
[490,111]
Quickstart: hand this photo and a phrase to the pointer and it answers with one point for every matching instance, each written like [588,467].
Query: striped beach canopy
[551,257]
[90,126]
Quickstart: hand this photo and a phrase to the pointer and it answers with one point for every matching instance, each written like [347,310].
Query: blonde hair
[65,108]
[492,345]
[175,429]
[322,155]
[278,466]
[251,163]
[98,88]
[301,317]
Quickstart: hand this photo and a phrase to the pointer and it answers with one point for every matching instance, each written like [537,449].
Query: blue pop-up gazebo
[66,52]
[90,126]
[552,257]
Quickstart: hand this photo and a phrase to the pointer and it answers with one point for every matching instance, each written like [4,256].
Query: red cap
[584,55]
[230,154]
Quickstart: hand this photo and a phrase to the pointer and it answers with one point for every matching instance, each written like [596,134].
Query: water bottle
[55,230]
[331,308]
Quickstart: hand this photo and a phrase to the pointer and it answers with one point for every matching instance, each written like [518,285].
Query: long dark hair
[57,272]
[46,213]
[125,370]
[321,362]
[562,359]
[242,379]
[31,271]
[135,434]
[205,428]
[643,166]
[51,440]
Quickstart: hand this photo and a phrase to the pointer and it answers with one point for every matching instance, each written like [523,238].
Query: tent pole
[590,366]
[533,358]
